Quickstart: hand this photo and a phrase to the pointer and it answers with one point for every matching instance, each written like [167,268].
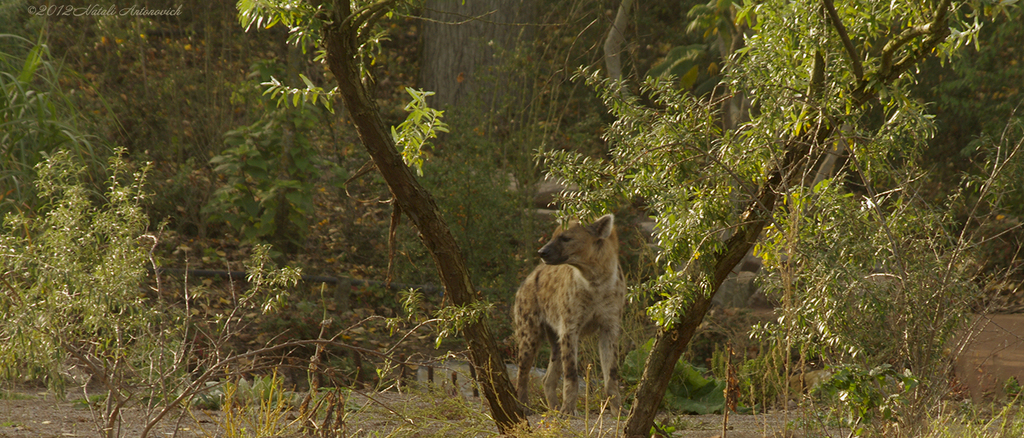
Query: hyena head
[582,244]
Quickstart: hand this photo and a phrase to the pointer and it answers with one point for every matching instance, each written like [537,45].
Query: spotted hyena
[579,289]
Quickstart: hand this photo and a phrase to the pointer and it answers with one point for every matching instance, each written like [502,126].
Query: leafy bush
[867,395]
[73,274]
[688,391]
[269,172]
[485,209]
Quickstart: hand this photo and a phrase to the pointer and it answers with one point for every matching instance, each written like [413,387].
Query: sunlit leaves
[75,271]
[285,95]
[420,126]
[264,14]
[269,286]
[672,156]
[305,23]
[865,279]
[452,319]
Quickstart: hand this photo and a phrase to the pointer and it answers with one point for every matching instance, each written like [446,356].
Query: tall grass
[37,118]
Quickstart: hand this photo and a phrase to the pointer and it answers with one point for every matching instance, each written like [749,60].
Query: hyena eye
[563,238]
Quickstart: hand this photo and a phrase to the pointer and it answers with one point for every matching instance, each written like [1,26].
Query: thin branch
[903,38]
[837,24]
[396,218]
[370,21]
[936,31]
[881,217]
[468,18]
[358,18]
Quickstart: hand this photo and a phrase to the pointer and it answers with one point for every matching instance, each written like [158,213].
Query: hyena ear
[603,226]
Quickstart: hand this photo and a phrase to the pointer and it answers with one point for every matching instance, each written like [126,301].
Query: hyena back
[579,289]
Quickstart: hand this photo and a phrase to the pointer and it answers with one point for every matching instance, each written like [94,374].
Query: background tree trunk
[613,43]
[342,43]
[463,45]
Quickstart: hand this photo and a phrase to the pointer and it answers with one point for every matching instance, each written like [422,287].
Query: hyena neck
[600,273]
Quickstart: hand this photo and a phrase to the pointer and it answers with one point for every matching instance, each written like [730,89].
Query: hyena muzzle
[579,289]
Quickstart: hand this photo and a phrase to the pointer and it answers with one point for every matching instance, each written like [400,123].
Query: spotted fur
[578,290]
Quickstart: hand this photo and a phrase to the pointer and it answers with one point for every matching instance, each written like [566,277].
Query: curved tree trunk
[671,342]
[342,44]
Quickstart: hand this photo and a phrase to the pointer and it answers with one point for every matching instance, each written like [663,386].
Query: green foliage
[688,392]
[977,91]
[37,118]
[485,214]
[269,172]
[73,275]
[697,65]
[1012,388]
[762,379]
[453,319]
[422,124]
[269,284]
[674,159]
[868,395]
[305,23]
[862,274]
[683,62]
[310,94]
[259,391]
[867,272]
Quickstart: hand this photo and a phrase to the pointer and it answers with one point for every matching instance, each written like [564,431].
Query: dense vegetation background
[180,101]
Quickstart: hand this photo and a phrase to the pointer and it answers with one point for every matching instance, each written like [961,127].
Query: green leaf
[32,62]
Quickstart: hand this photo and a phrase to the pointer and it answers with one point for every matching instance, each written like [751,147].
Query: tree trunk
[342,44]
[670,343]
[613,43]
[462,41]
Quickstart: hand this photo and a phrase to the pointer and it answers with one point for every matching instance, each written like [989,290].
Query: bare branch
[936,30]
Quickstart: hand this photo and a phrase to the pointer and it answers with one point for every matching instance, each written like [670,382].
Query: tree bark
[613,43]
[341,39]
[461,44]
[669,343]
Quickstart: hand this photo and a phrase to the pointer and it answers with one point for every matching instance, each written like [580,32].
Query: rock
[547,192]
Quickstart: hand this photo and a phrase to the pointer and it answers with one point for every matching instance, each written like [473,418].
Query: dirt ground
[995,353]
[39,415]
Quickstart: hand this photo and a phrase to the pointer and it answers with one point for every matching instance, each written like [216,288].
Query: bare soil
[992,355]
[29,414]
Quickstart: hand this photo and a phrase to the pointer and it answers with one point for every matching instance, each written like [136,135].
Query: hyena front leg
[569,344]
[608,344]
[528,338]
[554,371]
